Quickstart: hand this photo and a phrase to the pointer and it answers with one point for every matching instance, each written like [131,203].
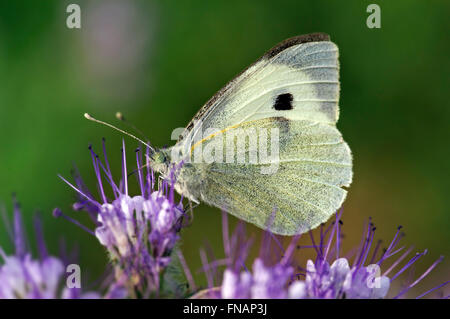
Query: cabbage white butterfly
[291,92]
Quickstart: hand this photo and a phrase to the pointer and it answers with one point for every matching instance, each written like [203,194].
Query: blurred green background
[158,62]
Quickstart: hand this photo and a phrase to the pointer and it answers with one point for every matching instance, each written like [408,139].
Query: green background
[158,62]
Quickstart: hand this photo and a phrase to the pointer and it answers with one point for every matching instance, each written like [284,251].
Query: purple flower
[21,276]
[340,281]
[263,283]
[328,276]
[140,231]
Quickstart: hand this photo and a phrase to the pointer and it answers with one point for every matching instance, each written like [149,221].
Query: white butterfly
[293,88]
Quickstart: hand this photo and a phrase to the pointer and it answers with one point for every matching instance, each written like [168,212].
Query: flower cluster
[328,276]
[23,277]
[139,232]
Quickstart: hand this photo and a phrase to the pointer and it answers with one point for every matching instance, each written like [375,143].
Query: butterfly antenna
[120,117]
[90,118]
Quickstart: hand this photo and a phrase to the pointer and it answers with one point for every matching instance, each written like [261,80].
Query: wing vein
[313,161]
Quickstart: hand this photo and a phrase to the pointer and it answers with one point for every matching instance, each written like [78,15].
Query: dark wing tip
[312,37]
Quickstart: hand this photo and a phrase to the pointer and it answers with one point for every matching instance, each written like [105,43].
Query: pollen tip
[120,116]
[77,206]
[57,212]
[399,227]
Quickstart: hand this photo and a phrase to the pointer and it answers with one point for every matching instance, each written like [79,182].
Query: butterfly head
[160,161]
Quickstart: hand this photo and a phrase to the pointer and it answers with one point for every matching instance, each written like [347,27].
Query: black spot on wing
[283,102]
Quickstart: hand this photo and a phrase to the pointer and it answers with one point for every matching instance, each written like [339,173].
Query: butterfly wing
[304,187]
[294,87]
[306,67]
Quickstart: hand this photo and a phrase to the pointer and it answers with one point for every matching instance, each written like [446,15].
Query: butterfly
[291,95]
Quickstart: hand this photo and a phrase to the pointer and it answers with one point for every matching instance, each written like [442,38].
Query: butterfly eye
[283,102]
